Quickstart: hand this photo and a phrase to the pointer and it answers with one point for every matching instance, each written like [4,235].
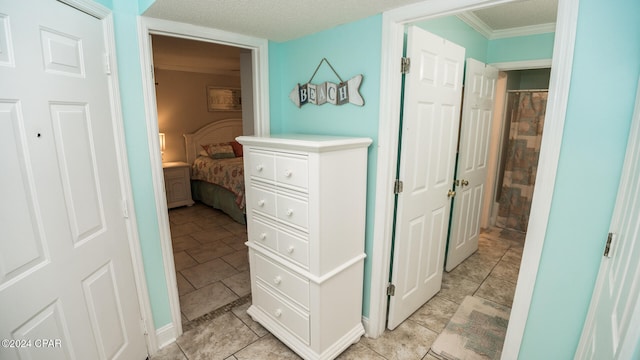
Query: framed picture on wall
[223,99]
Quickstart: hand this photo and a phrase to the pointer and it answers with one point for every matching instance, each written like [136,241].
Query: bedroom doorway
[254,89]
[208,231]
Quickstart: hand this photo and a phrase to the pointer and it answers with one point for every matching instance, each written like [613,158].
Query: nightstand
[177,184]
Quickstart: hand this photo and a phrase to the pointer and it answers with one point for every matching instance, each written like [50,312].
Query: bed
[217,172]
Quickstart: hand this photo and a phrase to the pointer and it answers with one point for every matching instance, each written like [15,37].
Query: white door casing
[611,330]
[471,173]
[260,88]
[67,285]
[433,90]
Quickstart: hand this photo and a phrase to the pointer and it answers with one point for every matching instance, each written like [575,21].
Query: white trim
[166,335]
[485,30]
[526,64]
[523,31]
[259,50]
[390,88]
[105,15]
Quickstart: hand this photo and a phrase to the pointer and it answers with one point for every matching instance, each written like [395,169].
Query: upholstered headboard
[217,132]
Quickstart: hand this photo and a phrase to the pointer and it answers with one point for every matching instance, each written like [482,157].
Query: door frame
[260,65]
[393,23]
[105,15]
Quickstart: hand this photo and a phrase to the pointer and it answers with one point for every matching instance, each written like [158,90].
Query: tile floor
[212,266]
[229,333]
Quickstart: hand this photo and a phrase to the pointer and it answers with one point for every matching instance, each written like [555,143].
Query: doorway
[393,36]
[208,245]
[257,53]
[525,101]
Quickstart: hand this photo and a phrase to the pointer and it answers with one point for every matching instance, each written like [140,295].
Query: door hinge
[397,187]
[607,249]
[125,209]
[107,64]
[405,65]
[391,289]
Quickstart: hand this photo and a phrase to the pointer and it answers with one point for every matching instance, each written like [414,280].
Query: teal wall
[457,31]
[519,48]
[604,82]
[352,49]
[125,14]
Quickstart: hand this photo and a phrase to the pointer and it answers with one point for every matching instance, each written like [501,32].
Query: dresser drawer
[281,280]
[262,200]
[292,170]
[263,234]
[293,248]
[176,173]
[292,210]
[262,165]
[296,321]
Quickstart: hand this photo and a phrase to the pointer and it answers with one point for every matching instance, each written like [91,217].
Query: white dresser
[306,201]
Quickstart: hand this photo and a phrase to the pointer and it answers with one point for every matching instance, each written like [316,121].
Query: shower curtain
[527,109]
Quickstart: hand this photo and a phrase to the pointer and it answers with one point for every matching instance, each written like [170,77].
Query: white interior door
[471,173]
[432,95]
[67,289]
[612,329]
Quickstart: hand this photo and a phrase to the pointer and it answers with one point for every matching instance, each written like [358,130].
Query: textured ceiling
[282,20]
[265,19]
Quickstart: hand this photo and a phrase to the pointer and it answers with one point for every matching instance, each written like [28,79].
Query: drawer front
[263,200]
[293,320]
[292,210]
[292,171]
[293,248]
[282,280]
[176,173]
[263,234]
[262,165]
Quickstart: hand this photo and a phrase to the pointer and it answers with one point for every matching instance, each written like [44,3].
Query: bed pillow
[219,151]
[237,148]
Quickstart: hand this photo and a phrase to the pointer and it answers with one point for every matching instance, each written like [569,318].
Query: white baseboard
[365,324]
[166,335]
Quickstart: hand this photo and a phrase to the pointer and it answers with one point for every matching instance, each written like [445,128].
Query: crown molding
[481,27]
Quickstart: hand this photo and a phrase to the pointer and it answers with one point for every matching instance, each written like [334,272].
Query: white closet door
[67,288]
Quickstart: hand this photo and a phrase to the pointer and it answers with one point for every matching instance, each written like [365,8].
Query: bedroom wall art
[327,92]
[223,99]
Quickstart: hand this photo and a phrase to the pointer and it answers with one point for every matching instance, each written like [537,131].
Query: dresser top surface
[306,142]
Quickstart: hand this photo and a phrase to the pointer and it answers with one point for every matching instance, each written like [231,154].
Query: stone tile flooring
[229,333]
[212,266]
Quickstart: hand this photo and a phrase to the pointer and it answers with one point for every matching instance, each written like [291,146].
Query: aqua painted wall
[519,48]
[352,49]
[532,47]
[601,102]
[125,14]
[458,32]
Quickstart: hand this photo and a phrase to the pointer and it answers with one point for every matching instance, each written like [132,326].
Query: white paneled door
[432,95]
[471,173]
[67,288]
[612,328]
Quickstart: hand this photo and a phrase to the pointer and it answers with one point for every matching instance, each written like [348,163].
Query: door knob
[451,193]
[464,182]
